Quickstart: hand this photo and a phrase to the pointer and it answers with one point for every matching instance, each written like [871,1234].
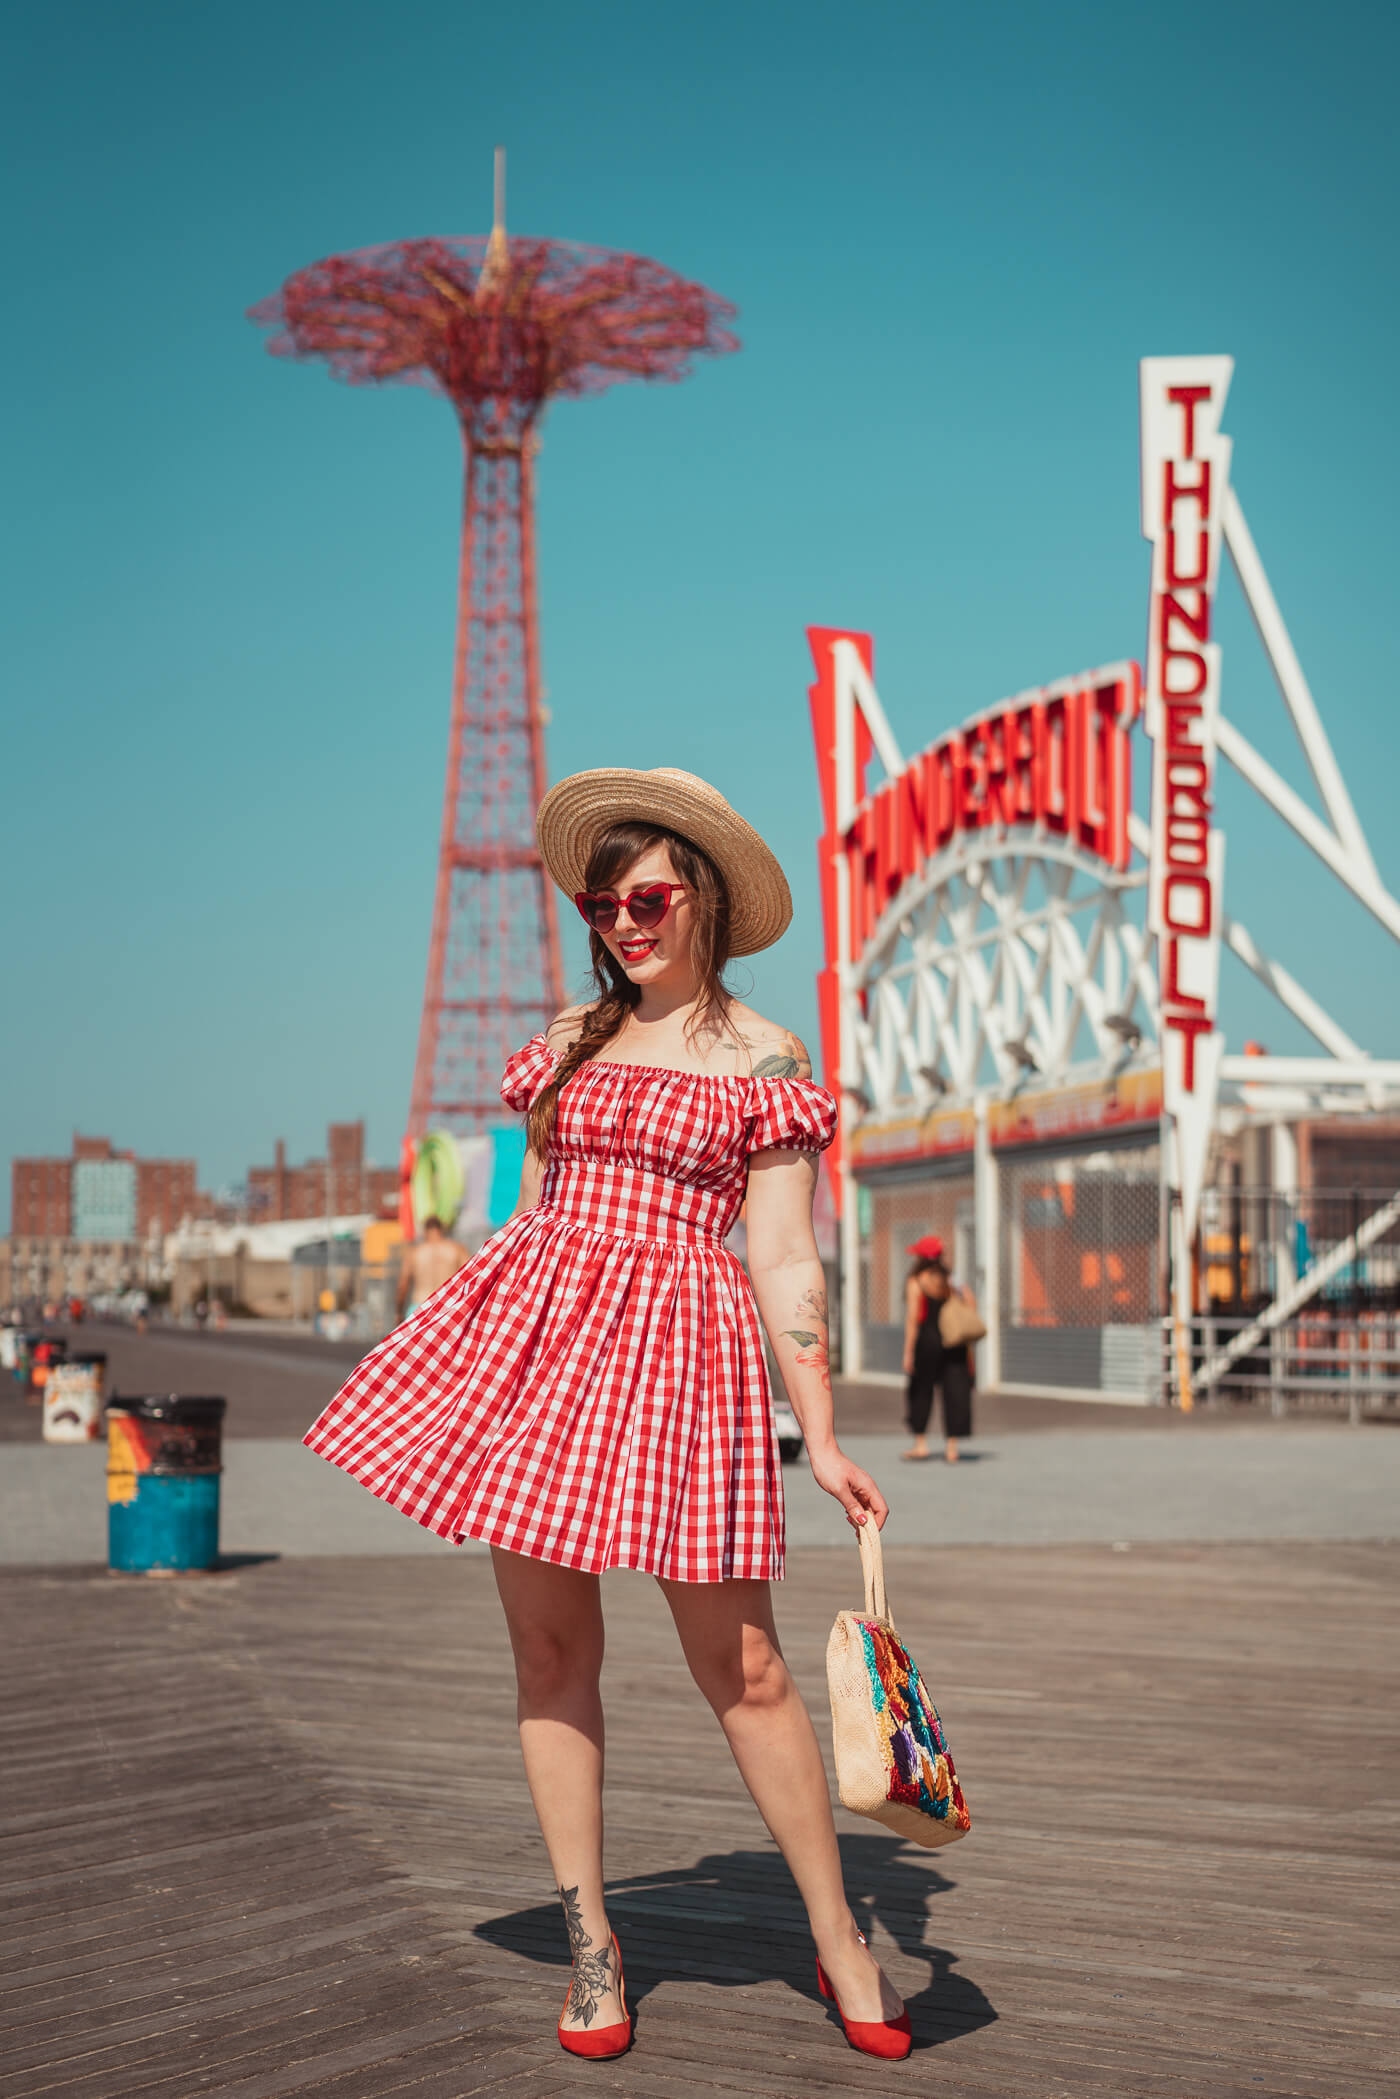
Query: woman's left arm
[790,1286]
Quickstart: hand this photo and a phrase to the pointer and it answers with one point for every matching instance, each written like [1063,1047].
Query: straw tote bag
[892,1760]
[958,1323]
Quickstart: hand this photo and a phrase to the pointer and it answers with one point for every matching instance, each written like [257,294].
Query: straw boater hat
[574,815]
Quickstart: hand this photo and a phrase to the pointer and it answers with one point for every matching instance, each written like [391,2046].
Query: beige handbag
[957,1322]
[892,1759]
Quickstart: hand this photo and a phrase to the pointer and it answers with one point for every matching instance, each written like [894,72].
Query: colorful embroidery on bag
[920,1769]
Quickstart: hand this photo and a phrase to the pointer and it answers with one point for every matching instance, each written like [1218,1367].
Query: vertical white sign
[1185,473]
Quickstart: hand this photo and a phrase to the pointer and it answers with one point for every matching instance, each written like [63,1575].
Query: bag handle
[872,1560]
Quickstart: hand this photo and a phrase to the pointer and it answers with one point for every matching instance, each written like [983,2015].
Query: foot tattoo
[592,1981]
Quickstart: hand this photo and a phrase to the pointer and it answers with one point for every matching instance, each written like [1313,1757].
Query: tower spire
[497,250]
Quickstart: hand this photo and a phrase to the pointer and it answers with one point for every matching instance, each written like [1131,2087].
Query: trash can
[163,1465]
[73,1400]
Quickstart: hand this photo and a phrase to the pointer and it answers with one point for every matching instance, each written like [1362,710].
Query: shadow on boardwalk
[708,1922]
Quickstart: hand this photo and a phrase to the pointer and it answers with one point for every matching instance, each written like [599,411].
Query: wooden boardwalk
[267,1834]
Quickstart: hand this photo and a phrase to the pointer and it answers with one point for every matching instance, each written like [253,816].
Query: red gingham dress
[590,1389]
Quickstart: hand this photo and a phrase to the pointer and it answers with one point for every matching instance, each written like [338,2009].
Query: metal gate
[1081,1272]
[1261,1335]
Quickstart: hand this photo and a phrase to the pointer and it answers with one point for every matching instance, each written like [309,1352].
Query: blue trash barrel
[164,1458]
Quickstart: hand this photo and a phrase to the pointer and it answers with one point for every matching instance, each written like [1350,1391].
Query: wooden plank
[294,1852]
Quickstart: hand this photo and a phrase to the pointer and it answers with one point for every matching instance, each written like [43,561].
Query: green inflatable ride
[438,1183]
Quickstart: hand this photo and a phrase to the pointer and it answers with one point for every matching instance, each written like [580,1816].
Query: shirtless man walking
[426,1266]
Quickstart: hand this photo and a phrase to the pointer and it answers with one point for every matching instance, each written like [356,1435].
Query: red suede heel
[890,2038]
[600,2042]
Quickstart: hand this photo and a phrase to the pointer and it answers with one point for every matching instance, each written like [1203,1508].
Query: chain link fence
[892,1217]
[1081,1272]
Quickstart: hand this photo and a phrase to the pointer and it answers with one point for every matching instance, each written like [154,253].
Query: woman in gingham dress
[590,1391]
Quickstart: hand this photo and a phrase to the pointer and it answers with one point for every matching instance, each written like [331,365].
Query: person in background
[426,1266]
[928,1364]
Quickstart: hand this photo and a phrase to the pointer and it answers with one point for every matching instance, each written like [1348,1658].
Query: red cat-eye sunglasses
[645,907]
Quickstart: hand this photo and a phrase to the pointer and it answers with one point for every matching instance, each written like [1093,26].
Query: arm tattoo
[811,1339]
[592,1970]
[780,1064]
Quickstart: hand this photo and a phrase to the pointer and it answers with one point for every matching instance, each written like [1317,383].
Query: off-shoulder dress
[590,1388]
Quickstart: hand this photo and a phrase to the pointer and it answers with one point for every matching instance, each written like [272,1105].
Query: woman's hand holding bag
[892,1760]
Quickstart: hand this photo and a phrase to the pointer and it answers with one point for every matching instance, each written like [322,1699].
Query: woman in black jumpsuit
[928,1364]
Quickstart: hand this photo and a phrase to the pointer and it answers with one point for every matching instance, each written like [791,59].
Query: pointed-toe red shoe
[890,2038]
[600,2042]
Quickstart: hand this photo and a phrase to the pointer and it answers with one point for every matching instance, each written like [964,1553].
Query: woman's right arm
[912,1295]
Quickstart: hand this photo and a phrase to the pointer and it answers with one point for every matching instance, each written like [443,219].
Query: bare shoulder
[773,1052]
[564,1027]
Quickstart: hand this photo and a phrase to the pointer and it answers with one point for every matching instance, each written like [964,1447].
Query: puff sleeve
[792,1115]
[528,1071]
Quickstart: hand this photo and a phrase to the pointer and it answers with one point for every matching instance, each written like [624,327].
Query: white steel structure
[1015,955]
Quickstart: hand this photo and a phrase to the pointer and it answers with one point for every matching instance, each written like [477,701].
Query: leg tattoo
[592,1968]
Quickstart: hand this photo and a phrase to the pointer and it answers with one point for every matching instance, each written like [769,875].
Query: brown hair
[614,851]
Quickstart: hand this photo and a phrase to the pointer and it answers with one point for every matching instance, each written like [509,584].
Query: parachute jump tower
[500,328]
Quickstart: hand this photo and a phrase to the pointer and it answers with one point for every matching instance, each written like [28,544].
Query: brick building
[342,1183]
[166,1193]
[41,1198]
[100,1195]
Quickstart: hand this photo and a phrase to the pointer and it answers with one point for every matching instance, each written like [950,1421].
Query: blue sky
[950,232]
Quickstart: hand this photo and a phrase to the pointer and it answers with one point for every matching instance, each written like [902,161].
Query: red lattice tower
[500,328]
